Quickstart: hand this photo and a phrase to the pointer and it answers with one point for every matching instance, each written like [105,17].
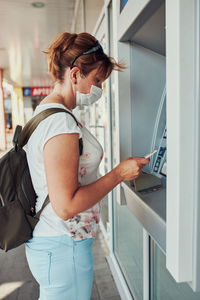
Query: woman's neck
[59,95]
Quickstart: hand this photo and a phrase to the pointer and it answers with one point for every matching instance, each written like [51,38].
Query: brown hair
[67,46]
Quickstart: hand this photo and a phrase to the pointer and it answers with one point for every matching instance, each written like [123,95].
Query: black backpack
[17,195]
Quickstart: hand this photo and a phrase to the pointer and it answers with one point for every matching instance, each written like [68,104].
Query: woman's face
[84,83]
[92,78]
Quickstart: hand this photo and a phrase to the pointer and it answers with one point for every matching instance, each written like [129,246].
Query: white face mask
[87,99]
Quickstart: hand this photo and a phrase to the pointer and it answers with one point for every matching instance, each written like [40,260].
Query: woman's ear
[74,75]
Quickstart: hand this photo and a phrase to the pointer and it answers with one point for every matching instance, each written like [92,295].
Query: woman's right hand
[131,167]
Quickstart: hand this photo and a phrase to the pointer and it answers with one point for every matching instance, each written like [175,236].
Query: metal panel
[128,15]
[146,214]
[195,284]
[146,265]
[147,84]
[134,15]
[152,34]
[181,107]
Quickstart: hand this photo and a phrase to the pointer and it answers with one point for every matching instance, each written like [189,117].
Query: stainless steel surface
[150,212]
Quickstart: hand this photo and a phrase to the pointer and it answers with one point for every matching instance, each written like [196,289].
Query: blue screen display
[122,4]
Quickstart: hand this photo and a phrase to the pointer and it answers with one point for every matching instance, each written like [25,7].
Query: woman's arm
[61,168]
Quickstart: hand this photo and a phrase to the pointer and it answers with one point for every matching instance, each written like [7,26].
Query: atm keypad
[165,134]
[161,151]
[160,160]
[157,164]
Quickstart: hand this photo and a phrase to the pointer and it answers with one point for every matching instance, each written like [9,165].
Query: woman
[60,252]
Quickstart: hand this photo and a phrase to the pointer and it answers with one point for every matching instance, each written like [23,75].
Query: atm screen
[159,140]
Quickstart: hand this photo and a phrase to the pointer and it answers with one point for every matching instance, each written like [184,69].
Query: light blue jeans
[62,267]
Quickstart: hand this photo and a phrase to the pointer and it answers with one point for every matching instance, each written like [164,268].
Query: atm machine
[148,129]
[159,110]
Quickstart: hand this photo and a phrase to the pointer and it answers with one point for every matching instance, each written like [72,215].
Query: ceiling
[25,31]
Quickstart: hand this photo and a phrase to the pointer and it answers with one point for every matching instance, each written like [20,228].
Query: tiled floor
[104,287]
[17,283]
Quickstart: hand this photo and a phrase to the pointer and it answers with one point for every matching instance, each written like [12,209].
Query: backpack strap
[23,135]
[34,122]
[46,201]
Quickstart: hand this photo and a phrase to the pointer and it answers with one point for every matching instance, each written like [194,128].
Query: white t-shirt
[85,224]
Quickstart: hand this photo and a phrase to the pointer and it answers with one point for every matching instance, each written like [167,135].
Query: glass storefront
[98,125]
[164,287]
[102,135]
[127,231]
[128,248]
